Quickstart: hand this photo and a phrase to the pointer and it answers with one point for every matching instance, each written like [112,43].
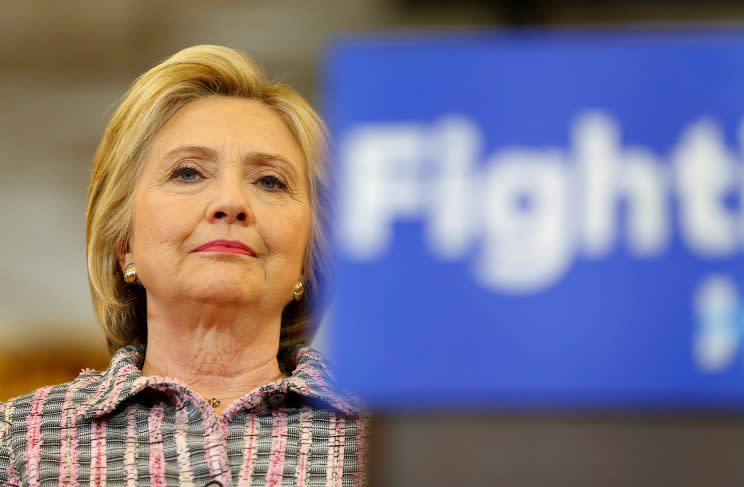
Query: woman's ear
[124,254]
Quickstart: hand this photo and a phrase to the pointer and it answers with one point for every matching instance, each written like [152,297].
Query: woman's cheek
[166,222]
[288,237]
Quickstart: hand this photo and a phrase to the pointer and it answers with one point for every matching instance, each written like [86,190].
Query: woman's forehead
[228,126]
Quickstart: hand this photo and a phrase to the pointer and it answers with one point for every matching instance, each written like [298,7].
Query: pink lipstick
[227,247]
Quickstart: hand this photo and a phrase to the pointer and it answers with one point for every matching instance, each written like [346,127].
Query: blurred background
[65,65]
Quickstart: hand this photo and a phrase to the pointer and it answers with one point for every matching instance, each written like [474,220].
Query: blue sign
[539,220]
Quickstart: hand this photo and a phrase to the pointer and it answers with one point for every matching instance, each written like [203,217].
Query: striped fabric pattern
[116,427]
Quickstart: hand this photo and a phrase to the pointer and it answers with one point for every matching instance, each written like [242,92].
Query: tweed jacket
[118,427]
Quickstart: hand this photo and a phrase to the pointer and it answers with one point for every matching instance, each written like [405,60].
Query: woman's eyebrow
[192,150]
[253,157]
[256,157]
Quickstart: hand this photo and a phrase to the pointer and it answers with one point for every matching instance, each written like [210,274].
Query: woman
[206,260]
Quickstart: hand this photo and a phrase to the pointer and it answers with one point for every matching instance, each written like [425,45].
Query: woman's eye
[186,174]
[271,183]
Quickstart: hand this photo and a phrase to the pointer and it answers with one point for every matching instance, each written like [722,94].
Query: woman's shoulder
[89,389]
[49,400]
[313,377]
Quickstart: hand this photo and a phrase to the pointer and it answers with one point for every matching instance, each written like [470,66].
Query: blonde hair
[151,101]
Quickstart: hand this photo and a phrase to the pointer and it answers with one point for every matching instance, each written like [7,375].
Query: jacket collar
[100,393]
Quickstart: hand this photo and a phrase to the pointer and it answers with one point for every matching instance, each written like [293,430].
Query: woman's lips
[226,246]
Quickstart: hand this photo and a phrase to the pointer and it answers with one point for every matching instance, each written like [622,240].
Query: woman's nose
[230,215]
[230,204]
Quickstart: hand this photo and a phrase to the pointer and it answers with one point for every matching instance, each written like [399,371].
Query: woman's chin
[225,294]
[224,288]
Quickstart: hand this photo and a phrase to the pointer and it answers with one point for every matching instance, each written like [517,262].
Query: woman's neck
[218,351]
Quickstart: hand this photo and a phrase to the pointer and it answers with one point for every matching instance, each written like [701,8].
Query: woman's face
[221,210]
